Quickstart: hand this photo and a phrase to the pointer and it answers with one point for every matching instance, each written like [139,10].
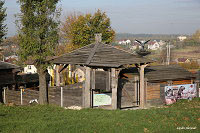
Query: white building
[30,69]
[162,43]
[154,45]
[181,38]
[125,42]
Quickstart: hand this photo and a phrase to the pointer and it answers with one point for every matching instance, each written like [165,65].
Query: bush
[192,65]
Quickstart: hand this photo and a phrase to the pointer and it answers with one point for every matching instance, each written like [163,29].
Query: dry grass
[191,52]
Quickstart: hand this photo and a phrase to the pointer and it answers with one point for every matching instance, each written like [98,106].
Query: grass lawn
[38,118]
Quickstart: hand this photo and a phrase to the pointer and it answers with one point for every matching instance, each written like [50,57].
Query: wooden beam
[114,82]
[197,82]
[87,87]
[57,76]
[145,89]
[70,71]
[92,54]
[65,66]
[93,79]
[108,79]
[142,87]
[192,81]
[169,82]
[136,92]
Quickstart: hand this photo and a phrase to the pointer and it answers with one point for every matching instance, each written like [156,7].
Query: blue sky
[131,16]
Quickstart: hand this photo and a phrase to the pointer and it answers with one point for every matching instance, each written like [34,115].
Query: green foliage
[38,30]
[188,42]
[2,19]
[81,29]
[39,118]
[193,40]
[196,36]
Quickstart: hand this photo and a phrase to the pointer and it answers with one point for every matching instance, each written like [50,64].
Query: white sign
[172,93]
[102,99]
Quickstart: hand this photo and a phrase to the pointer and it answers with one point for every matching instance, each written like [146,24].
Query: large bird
[142,43]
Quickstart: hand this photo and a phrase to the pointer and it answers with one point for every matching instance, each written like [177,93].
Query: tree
[193,40]
[38,36]
[2,19]
[81,29]
[196,36]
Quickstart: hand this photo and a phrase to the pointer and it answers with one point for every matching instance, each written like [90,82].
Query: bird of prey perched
[142,52]
[142,43]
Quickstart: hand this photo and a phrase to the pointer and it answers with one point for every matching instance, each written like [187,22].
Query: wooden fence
[72,95]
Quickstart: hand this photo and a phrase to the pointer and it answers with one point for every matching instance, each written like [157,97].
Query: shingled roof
[7,73]
[101,55]
[5,65]
[162,73]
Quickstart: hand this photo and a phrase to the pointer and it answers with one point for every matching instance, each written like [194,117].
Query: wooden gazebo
[111,59]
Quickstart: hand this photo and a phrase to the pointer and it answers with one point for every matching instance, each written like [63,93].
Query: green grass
[55,119]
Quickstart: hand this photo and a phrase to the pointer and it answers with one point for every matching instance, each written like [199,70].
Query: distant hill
[121,36]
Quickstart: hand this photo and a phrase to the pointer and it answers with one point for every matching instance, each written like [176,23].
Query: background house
[125,42]
[153,45]
[181,38]
[30,69]
[183,60]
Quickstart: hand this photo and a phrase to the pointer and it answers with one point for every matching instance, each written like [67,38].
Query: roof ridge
[92,53]
[72,51]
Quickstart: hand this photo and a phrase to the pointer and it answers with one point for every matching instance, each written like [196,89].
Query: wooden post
[145,89]
[198,87]
[114,88]
[108,77]
[70,71]
[4,95]
[192,81]
[87,96]
[93,79]
[170,82]
[142,87]
[136,90]
[57,76]
[61,97]
[21,90]
[92,86]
